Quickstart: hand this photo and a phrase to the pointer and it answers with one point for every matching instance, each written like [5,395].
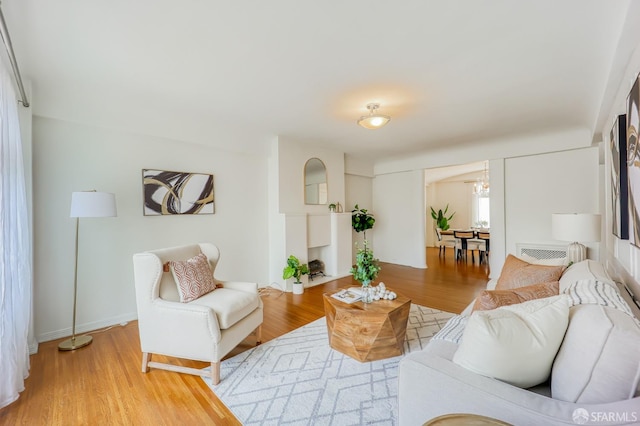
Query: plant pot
[298,288]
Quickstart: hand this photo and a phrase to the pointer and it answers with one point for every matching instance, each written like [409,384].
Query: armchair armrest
[240,286]
[191,328]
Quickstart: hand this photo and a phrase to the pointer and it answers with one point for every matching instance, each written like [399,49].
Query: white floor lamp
[86,204]
[574,227]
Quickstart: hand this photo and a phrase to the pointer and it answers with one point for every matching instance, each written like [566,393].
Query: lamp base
[75,343]
[576,252]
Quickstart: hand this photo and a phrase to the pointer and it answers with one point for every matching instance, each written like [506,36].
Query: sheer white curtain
[15,269]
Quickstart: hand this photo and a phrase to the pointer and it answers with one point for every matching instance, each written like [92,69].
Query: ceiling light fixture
[373,120]
[481,187]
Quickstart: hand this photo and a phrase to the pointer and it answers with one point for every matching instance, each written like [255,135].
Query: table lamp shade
[582,227]
[576,227]
[93,204]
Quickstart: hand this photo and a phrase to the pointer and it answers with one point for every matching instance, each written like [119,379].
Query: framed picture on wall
[619,183]
[633,162]
[177,193]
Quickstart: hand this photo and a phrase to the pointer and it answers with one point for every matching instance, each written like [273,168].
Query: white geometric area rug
[297,379]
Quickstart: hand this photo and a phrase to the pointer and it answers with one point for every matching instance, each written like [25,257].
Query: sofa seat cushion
[518,273]
[492,299]
[229,305]
[516,343]
[599,360]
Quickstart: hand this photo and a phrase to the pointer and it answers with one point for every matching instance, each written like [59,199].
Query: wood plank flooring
[102,384]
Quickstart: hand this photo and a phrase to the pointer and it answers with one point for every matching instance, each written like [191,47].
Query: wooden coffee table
[367,331]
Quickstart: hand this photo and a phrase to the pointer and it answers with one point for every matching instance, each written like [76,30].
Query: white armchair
[205,329]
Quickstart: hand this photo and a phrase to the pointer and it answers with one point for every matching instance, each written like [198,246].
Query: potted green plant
[361,220]
[332,207]
[295,269]
[442,221]
[365,271]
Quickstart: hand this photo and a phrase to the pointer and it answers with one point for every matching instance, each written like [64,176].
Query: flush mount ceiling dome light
[373,120]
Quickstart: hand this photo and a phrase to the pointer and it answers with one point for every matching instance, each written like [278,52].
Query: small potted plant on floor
[295,269]
[365,271]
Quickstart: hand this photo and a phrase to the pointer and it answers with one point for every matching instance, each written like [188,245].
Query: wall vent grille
[542,251]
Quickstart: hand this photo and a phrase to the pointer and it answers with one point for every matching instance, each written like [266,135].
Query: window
[480,212]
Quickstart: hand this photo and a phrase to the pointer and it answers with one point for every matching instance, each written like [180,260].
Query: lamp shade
[575,227]
[93,204]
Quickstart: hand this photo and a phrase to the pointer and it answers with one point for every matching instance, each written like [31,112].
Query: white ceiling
[238,73]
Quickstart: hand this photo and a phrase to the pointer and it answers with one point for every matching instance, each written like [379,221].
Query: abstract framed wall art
[633,162]
[177,193]
[619,183]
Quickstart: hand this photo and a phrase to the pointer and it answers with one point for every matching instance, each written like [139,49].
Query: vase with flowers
[365,271]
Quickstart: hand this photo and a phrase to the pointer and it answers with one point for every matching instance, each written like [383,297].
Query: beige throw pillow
[492,299]
[193,277]
[518,273]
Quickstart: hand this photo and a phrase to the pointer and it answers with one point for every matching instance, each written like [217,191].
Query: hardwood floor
[102,383]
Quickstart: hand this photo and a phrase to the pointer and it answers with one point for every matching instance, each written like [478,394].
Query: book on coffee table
[348,295]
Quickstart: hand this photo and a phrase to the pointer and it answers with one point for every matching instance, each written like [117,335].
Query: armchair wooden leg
[215,372]
[259,335]
[146,357]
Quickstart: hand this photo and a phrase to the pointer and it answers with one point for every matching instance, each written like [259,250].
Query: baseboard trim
[86,327]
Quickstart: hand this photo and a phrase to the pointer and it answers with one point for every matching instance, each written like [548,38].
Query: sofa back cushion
[599,360]
[518,273]
[587,269]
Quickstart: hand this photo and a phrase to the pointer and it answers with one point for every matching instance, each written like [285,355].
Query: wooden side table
[367,331]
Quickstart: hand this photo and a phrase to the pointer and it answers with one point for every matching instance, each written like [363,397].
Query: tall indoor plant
[295,269]
[361,220]
[442,221]
[365,271]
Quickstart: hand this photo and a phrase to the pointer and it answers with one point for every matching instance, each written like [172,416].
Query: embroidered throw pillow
[492,299]
[193,277]
[518,273]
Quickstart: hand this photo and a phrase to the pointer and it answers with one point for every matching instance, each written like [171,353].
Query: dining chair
[465,241]
[485,249]
[444,242]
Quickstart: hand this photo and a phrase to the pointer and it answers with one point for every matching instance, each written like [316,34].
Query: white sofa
[431,384]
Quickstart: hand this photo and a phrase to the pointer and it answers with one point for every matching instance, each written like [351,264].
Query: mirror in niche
[315,182]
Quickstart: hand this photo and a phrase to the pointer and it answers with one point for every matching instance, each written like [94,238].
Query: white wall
[539,185]
[621,250]
[287,211]
[398,201]
[69,157]
[457,195]
[359,190]
[292,157]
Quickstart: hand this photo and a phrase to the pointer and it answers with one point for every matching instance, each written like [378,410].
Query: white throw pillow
[516,343]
